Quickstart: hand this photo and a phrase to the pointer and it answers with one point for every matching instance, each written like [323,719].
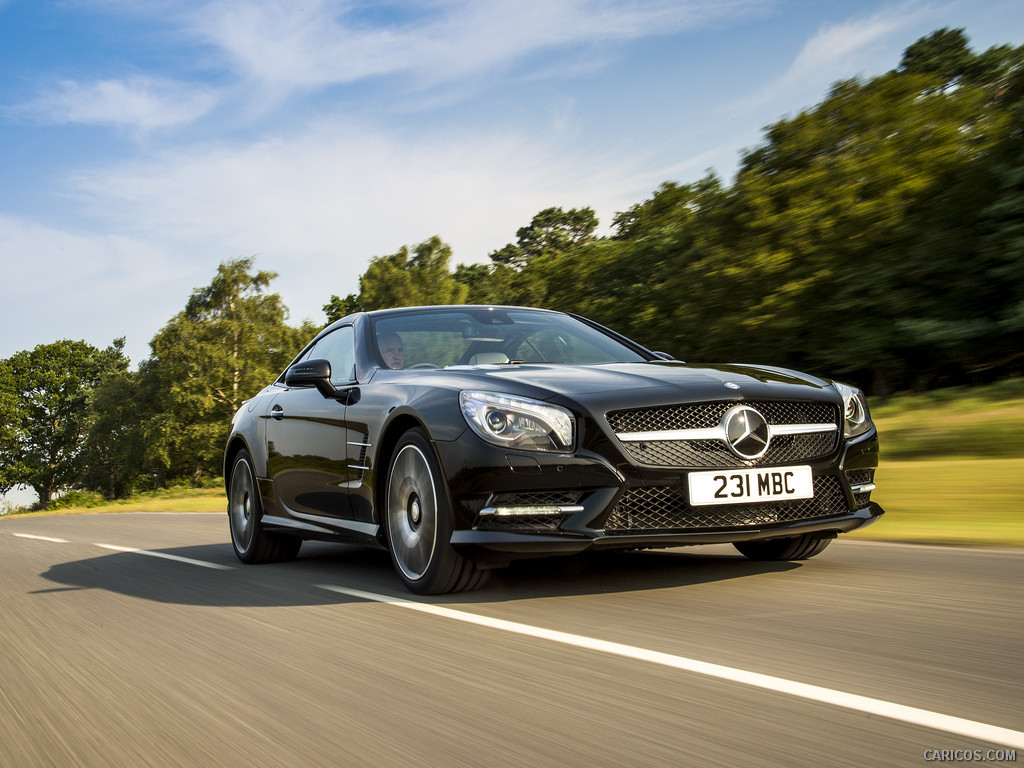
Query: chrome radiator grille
[708,453]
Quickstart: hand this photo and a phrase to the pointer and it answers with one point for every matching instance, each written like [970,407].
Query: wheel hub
[415,510]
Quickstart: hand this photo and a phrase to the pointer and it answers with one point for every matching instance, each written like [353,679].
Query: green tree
[631,281]
[407,278]
[857,219]
[11,467]
[114,455]
[551,232]
[945,53]
[230,341]
[1002,223]
[45,411]
[338,308]
[519,272]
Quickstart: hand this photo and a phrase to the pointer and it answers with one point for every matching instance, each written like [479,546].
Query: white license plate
[745,486]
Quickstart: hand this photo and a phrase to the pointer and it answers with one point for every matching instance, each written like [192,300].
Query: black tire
[418,522]
[253,544]
[796,548]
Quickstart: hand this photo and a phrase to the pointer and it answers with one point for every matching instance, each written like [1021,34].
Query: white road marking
[877,707]
[166,556]
[40,538]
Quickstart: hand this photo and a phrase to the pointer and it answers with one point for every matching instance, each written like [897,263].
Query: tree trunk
[45,496]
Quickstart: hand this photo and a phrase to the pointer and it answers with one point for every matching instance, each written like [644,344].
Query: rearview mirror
[475,333]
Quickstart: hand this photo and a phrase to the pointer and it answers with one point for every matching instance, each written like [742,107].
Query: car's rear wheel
[253,544]
[419,522]
[794,548]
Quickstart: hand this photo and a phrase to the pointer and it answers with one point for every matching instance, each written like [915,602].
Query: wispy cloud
[324,42]
[339,184]
[323,201]
[258,53]
[864,45]
[143,103]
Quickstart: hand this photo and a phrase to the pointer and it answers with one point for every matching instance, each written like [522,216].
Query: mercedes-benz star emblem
[732,385]
[746,432]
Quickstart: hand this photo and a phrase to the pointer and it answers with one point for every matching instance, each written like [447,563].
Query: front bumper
[510,505]
[480,544]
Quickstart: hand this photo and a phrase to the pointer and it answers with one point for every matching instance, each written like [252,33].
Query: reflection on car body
[509,432]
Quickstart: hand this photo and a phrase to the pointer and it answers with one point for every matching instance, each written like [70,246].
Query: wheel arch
[389,438]
[236,445]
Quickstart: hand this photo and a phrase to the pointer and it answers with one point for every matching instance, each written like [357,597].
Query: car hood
[649,382]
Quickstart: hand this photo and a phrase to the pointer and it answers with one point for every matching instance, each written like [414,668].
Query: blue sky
[142,142]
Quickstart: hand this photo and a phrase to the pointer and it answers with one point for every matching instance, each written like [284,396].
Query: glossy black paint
[321,449]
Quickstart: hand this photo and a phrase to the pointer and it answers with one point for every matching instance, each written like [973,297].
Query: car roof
[456,307]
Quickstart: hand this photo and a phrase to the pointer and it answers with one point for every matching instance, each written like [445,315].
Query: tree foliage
[44,401]
[410,277]
[231,340]
[550,233]
[114,450]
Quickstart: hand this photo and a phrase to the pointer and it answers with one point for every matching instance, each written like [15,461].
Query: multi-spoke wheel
[795,548]
[418,520]
[251,542]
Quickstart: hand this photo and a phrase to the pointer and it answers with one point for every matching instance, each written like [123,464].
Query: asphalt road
[114,657]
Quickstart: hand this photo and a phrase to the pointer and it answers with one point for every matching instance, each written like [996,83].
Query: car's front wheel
[251,542]
[419,522]
[794,548]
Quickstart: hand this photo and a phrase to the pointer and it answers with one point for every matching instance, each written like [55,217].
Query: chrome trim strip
[547,509]
[713,433]
[719,433]
[363,445]
[800,429]
[331,523]
[356,466]
[863,488]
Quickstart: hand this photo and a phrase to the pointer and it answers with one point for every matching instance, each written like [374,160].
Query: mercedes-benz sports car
[460,438]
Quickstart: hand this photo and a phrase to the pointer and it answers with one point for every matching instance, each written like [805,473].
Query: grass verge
[974,502]
[179,500]
[942,425]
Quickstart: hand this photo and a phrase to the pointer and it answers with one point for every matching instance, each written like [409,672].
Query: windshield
[440,339]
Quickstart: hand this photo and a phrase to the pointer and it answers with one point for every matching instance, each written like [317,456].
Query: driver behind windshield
[392,350]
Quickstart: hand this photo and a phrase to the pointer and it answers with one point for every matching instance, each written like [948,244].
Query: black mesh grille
[859,477]
[705,415]
[663,509]
[519,523]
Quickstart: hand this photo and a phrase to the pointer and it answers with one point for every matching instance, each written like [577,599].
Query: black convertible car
[460,438]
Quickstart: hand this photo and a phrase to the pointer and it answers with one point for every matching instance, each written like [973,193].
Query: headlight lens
[856,419]
[518,422]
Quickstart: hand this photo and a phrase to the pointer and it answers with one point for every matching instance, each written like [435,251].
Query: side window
[339,348]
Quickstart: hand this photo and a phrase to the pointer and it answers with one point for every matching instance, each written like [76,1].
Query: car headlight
[856,419]
[518,422]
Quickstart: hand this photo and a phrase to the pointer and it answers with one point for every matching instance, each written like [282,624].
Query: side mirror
[312,373]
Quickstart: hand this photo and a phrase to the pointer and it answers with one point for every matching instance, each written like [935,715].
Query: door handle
[277,413]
